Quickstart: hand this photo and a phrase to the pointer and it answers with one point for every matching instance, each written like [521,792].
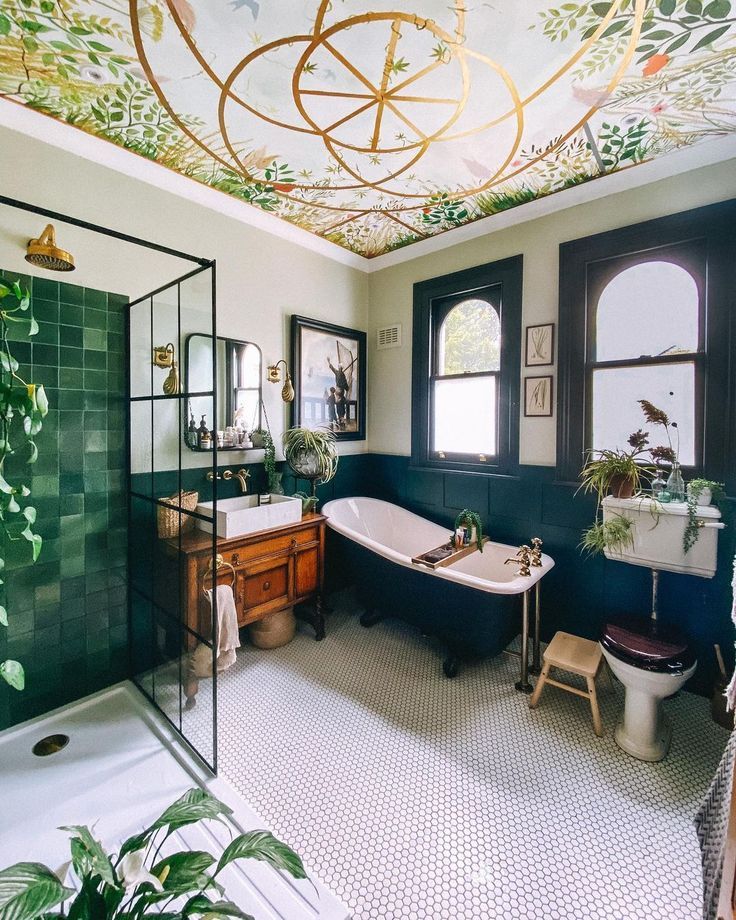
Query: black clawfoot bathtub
[473,606]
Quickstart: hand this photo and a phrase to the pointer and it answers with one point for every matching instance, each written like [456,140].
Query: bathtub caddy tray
[446,554]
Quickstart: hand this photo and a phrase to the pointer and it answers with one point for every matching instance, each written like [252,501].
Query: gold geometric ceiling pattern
[378,124]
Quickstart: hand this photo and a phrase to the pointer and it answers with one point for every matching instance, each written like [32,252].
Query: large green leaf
[12,673]
[3,616]
[29,890]
[200,905]
[88,857]
[195,805]
[88,904]
[182,873]
[262,845]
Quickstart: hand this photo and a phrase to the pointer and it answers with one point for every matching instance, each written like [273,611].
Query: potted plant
[471,520]
[675,488]
[312,454]
[614,535]
[616,472]
[138,881]
[700,492]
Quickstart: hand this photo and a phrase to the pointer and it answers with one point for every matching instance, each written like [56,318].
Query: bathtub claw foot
[450,666]
[370,618]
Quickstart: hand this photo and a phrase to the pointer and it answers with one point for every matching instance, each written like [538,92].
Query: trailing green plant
[614,534]
[694,490]
[269,450]
[137,881]
[470,519]
[311,448]
[23,406]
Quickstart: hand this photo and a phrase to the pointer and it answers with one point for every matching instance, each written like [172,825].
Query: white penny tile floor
[414,797]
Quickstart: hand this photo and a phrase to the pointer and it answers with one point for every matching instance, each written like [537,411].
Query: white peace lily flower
[132,871]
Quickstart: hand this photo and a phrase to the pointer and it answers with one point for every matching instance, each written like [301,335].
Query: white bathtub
[472,606]
[398,535]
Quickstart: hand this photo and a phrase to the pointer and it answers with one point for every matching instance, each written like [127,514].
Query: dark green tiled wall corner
[67,613]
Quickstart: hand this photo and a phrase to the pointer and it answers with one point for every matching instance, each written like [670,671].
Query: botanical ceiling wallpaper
[376,124]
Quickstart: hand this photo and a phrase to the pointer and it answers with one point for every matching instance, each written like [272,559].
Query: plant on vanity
[699,492]
[471,520]
[138,881]
[23,406]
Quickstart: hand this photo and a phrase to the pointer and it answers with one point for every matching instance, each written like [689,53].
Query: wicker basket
[170,521]
[275,630]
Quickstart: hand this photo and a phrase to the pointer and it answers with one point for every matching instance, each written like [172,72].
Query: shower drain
[51,744]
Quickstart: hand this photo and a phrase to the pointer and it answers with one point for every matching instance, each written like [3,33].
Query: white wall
[389,376]
[261,279]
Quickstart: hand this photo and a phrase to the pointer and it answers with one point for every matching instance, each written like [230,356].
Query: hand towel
[228,638]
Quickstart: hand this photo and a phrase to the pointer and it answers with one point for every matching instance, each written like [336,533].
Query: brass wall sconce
[165,356]
[44,253]
[274,376]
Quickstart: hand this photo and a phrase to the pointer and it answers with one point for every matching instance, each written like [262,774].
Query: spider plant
[614,535]
[311,454]
[616,471]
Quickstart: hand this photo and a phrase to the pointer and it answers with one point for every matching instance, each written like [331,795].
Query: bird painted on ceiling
[253,5]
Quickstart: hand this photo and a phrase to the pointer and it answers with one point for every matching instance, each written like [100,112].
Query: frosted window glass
[648,309]
[616,412]
[465,415]
[470,339]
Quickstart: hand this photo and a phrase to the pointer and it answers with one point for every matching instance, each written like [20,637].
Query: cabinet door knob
[266,585]
[294,544]
[236,559]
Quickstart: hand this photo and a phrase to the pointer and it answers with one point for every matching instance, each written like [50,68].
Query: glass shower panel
[171,618]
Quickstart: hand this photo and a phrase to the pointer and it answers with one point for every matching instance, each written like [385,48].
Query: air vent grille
[389,337]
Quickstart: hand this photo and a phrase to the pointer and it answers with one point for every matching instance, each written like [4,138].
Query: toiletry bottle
[192,436]
[202,431]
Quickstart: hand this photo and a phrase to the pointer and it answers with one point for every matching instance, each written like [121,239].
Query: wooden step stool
[577,656]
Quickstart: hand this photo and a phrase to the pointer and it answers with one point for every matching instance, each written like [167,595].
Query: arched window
[466,368]
[645,342]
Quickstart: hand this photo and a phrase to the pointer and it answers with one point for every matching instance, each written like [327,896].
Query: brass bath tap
[536,552]
[523,560]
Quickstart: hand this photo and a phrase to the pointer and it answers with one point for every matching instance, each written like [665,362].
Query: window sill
[460,469]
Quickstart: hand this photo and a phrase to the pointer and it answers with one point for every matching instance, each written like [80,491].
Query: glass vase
[658,485]
[676,484]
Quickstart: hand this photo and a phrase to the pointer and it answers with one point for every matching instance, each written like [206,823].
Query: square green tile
[71,357]
[45,288]
[95,338]
[71,293]
[95,319]
[95,360]
[71,335]
[45,311]
[93,298]
[71,377]
[71,399]
[71,314]
[48,333]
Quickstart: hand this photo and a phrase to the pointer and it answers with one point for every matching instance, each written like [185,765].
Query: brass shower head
[44,253]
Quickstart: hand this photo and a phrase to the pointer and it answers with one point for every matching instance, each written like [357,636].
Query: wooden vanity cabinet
[271,570]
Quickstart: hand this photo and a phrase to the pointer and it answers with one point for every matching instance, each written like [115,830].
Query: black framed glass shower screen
[173,623]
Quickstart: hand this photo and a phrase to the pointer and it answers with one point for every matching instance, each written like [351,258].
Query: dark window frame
[431,299]
[709,233]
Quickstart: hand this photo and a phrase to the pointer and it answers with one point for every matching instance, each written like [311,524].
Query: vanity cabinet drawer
[279,543]
[263,587]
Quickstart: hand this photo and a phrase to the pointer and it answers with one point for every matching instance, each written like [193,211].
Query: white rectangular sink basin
[242,515]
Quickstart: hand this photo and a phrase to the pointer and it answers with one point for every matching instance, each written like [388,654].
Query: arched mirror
[239,366]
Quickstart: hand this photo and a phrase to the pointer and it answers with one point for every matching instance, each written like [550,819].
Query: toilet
[652,661]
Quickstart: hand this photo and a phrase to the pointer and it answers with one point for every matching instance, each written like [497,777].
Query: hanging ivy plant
[471,519]
[23,406]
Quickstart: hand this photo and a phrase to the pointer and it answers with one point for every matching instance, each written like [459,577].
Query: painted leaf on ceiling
[378,124]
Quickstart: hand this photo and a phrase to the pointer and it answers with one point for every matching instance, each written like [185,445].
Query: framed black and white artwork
[538,396]
[540,345]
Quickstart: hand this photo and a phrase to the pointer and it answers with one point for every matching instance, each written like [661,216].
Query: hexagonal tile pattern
[414,797]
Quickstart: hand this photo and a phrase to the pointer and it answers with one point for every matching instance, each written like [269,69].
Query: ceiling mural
[377,124]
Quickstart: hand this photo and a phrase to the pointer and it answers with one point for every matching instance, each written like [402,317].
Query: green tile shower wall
[67,613]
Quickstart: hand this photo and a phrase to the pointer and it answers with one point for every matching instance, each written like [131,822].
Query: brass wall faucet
[242,477]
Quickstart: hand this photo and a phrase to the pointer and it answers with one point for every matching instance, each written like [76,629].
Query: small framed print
[540,345]
[538,396]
